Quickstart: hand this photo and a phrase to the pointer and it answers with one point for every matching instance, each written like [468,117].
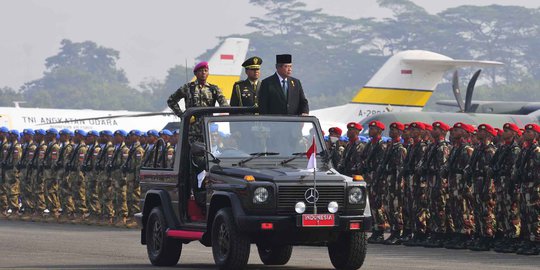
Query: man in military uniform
[412,219]
[104,182]
[371,157]
[38,182]
[117,156]
[459,218]
[152,137]
[48,160]
[199,93]
[334,146]
[62,175]
[244,93]
[507,206]
[91,175]
[351,155]
[479,181]
[76,197]
[3,151]
[132,168]
[436,191]
[11,184]
[390,171]
[167,158]
[25,186]
[527,174]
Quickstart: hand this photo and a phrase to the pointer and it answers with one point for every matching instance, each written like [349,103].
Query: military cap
[363,139]
[14,132]
[4,129]
[418,125]
[441,125]
[252,63]
[135,132]
[105,133]
[428,126]
[176,131]
[64,131]
[386,139]
[200,65]
[93,133]
[468,128]
[81,132]
[52,131]
[283,59]
[29,131]
[377,124]
[533,127]
[335,130]
[488,128]
[153,132]
[121,132]
[40,131]
[513,127]
[165,132]
[344,138]
[398,126]
[355,125]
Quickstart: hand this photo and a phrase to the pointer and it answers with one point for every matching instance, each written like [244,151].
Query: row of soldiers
[79,176]
[479,190]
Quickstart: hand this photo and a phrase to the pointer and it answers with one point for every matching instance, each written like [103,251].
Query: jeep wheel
[162,251]
[274,255]
[229,247]
[349,251]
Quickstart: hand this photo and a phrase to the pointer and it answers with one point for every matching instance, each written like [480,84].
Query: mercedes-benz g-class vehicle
[239,179]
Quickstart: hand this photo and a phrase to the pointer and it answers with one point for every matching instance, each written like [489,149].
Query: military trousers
[458,211]
[531,210]
[484,207]
[4,205]
[106,192]
[77,195]
[421,203]
[133,193]
[376,191]
[52,190]
[438,197]
[92,192]
[394,204]
[38,189]
[120,192]
[26,188]
[507,207]
[11,185]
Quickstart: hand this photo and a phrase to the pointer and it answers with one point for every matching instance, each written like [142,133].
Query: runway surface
[65,246]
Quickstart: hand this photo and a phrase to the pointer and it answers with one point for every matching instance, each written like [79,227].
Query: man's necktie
[284,86]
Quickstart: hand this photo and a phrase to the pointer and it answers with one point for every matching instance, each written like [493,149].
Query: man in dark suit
[281,93]
[244,93]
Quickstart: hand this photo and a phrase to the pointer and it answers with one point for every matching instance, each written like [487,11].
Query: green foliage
[8,95]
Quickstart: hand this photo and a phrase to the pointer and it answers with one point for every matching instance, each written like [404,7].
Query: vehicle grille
[290,195]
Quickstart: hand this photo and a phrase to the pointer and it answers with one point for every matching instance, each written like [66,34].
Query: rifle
[125,167]
[111,166]
[22,162]
[86,162]
[61,158]
[32,162]
[69,165]
[5,165]
[99,163]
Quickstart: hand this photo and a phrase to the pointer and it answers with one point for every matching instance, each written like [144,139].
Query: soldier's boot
[406,236]
[393,239]
[457,242]
[131,223]
[122,222]
[377,237]
[529,248]
[481,244]
[417,240]
[435,240]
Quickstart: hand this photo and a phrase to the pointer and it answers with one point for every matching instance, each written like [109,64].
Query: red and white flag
[312,155]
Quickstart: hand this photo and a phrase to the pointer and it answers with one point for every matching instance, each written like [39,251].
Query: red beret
[465,127]
[335,130]
[499,131]
[419,125]
[355,126]
[428,126]
[534,127]
[398,126]
[200,65]
[513,127]
[441,125]
[488,128]
[376,123]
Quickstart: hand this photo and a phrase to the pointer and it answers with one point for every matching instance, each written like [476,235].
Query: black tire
[349,251]
[229,247]
[162,251]
[275,255]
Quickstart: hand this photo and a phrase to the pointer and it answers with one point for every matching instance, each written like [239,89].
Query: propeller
[470,90]
[109,117]
[457,92]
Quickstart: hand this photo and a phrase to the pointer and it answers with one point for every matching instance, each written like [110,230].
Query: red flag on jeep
[311,155]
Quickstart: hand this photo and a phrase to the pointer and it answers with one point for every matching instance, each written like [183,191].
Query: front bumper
[294,223]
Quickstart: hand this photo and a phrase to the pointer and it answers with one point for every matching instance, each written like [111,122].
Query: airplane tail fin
[409,78]
[226,64]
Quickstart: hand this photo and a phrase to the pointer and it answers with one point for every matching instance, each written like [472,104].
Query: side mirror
[198,149]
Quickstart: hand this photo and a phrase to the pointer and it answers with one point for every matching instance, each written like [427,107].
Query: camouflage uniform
[92,179]
[372,157]
[27,196]
[104,181]
[50,159]
[132,167]
[480,186]
[12,174]
[436,192]
[39,184]
[4,147]
[390,170]
[527,175]
[63,178]
[458,216]
[196,95]
[350,161]
[335,152]
[507,206]
[116,156]
[76,195]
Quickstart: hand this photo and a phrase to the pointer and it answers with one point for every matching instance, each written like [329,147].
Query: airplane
[225,68]
[403,84]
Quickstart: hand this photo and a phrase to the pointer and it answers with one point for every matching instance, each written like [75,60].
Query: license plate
[318,220]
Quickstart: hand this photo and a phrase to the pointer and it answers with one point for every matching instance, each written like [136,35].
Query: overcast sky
[152,36]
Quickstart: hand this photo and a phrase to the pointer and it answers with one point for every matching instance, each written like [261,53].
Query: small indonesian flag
[312,155]
[227,57]
[406,71]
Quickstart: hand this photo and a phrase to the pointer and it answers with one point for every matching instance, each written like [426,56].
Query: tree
[8,96]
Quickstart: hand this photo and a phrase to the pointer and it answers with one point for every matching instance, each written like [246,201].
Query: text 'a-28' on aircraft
[225,68]
[494,113]
[403,84]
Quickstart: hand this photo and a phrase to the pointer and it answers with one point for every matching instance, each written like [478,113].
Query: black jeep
[245,181]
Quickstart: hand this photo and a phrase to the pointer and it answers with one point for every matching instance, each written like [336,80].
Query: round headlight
[260,195]
[355,195]
[333,207]
[300,207]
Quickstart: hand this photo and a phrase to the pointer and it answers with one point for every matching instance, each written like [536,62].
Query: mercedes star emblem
[311,195]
